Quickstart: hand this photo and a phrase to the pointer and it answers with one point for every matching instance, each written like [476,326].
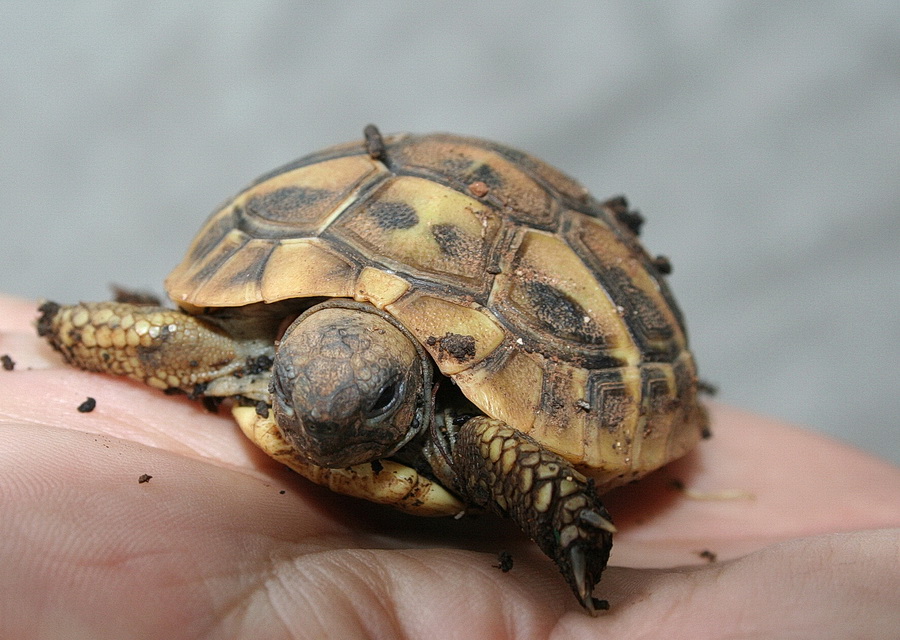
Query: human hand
[223,542]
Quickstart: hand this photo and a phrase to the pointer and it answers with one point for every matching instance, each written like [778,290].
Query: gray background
[761,141]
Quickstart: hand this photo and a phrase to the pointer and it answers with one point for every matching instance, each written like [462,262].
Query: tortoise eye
[387,400]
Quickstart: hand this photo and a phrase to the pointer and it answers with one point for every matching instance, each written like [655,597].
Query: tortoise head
[350,384]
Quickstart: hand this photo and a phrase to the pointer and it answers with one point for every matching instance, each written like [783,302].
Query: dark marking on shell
[452,241]
[215,261]
[485,174]
[213,233]
[8,363]
[393,215]
[469,172]
[144,478]
[560,313]
[651,328]
[87,406]
[514,155]
[286,204]
[610,397]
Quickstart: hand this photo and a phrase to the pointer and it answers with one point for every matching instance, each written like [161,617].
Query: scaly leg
[164,348]
[506,471]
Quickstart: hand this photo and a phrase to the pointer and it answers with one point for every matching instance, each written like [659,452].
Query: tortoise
[435,322]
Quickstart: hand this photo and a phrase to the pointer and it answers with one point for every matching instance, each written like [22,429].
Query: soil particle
[505,561]
[87,406]
[479,189]
[459,347]
[709,556]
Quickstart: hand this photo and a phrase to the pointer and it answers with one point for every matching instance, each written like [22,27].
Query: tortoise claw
[597,521]
[582,581]
[579,579]
[582,565]
[583,556]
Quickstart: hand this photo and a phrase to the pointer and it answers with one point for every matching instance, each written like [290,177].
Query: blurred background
[760,140]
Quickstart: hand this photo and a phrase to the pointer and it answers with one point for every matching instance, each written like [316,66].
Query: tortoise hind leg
[508,472]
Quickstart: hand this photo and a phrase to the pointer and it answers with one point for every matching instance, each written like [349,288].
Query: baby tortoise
[433,322]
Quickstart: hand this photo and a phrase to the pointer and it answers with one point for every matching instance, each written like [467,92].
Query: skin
[806,530]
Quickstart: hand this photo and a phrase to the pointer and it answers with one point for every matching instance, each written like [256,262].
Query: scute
[625,276]
[464,161]
[304,200]
[423,228]
[457,336]
[535,298]
[306,267]
[551,297]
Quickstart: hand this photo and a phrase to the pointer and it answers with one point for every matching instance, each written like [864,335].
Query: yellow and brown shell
[535,298]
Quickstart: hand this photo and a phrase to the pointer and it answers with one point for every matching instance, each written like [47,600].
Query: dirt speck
[8,363]
[144,478]
[709,556]
[87,406]
[479,189]
[600,605]
[505,561]
[459,347]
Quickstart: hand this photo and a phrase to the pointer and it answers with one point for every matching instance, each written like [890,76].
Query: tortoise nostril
[324,429]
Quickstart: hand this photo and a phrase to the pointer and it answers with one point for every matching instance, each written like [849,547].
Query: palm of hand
[223,542]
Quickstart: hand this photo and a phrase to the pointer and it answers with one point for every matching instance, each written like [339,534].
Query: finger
[828,586]
[128,411]
[82,539]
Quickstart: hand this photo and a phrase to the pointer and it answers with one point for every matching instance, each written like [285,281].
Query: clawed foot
[509,472]
[581,544]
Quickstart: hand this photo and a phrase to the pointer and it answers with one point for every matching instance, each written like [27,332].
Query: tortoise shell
[536,299]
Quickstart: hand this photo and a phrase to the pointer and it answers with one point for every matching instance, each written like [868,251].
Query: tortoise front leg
[164,348]
[506,471]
